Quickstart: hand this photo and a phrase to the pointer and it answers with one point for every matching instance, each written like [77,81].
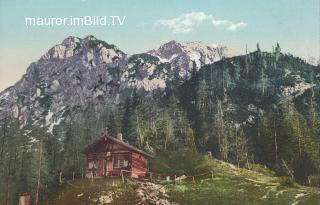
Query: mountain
[76,72]
[182,55]
[82,72]
[173,61]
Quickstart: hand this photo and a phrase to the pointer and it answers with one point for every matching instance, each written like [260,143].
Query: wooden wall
[139,165]
[137,162]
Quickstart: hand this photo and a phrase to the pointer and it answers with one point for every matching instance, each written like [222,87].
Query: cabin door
[109,167]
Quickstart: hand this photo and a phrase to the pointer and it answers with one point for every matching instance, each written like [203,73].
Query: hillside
[227,185]
[262,104]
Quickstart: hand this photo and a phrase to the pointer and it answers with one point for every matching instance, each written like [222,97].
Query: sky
[295,24]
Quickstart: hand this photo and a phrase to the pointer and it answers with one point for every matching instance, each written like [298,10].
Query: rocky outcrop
[152,194]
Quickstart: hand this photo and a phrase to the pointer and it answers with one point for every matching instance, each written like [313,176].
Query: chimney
[119,136]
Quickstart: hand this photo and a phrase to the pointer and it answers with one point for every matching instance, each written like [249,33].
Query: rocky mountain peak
[90,38]
[72,73]
[183,54]
[71,40]
[63,50]
[88,46]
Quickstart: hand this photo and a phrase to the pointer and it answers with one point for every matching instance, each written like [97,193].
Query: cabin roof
[115,140]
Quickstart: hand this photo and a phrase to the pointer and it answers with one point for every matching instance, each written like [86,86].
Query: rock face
[173,61]
[78,73]
[182,55]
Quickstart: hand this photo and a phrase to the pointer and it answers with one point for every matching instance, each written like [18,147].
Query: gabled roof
[117,141]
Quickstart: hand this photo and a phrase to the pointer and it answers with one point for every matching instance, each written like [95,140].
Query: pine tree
[129,120]
[112,125]
[258,48]
[277,51]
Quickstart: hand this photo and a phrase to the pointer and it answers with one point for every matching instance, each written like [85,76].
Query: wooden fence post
[121,173]
[193,179]
[212,175]
[60,177]
[82,173]
[175,178]
[150,176]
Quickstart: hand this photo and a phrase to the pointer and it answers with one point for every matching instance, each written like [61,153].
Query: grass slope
[227,186]
[231,185]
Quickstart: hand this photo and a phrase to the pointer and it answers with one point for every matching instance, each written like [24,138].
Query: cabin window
[93,164]
[122,163]
[125,163]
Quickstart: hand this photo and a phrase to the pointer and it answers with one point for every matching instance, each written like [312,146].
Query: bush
[314,180]
[286,181]
[261,169]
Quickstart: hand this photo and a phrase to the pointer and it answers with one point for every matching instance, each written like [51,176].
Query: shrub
[261,169]
[286,181]
[314,180]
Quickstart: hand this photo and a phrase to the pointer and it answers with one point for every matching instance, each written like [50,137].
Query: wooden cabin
[107,156]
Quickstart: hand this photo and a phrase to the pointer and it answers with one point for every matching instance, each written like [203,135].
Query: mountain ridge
[88,67]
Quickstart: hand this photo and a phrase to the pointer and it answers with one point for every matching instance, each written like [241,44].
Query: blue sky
[292,23]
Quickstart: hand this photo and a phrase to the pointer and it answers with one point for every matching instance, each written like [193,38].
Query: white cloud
[187,21]
[235,26]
